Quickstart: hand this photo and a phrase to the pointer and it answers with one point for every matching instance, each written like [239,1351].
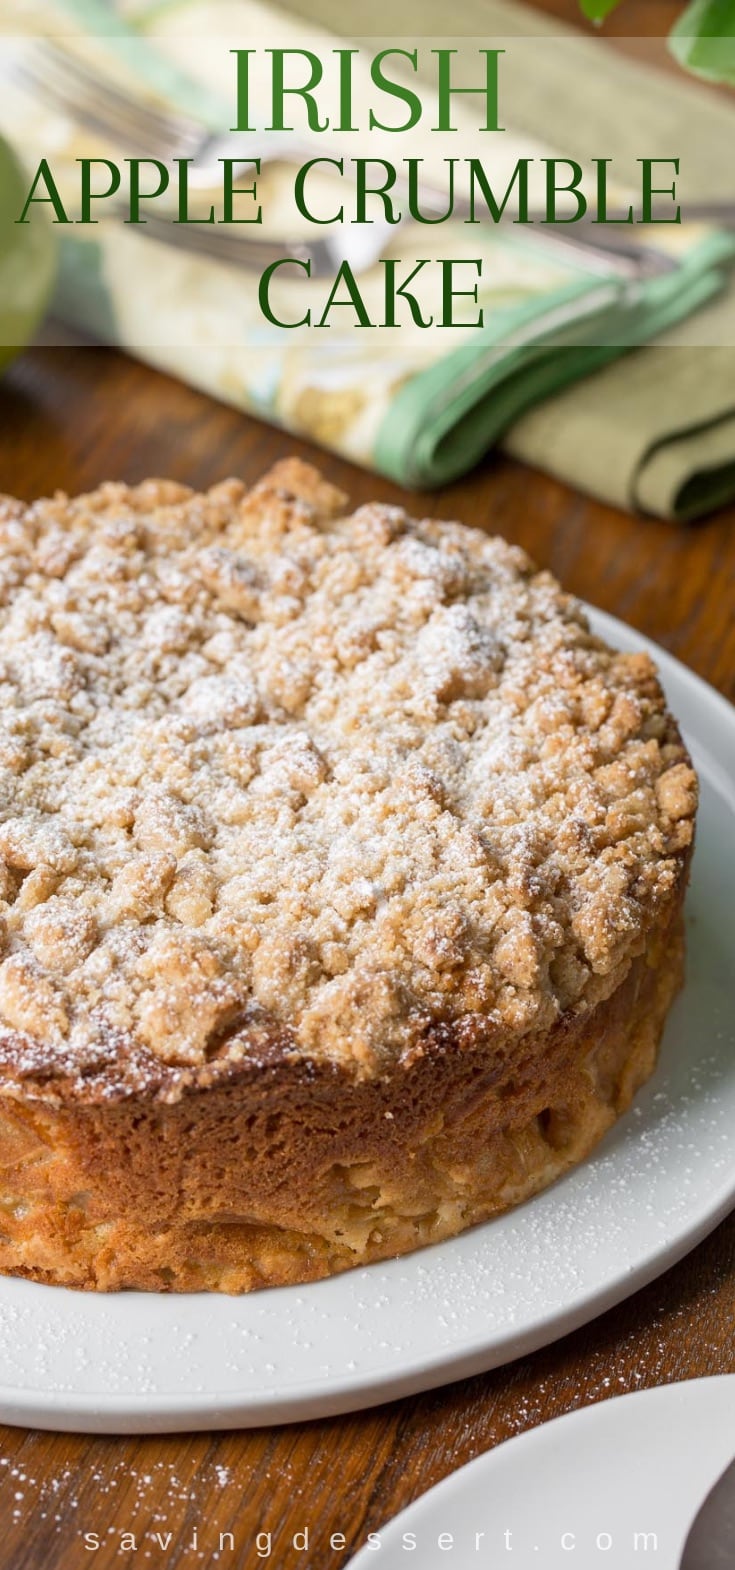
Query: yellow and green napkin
[549,377]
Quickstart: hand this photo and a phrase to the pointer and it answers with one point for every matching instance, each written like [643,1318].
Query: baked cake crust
[342,871]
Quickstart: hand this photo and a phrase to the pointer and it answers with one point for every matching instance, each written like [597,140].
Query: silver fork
[151,132]
[146,131]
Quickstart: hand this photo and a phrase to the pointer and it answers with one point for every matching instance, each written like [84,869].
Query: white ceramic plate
[662,1179]
[615,1486]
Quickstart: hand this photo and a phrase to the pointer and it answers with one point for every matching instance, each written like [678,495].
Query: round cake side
[341,883]
[286,1171]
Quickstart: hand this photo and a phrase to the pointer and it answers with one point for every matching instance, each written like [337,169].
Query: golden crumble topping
[267,766]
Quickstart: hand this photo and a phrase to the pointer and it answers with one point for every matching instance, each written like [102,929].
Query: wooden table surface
[70,418]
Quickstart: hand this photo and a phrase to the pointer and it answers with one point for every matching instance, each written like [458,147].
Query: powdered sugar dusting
[267,767]
[137,1363]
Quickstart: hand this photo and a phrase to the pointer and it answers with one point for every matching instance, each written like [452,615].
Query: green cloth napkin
[651,428]
[654,431]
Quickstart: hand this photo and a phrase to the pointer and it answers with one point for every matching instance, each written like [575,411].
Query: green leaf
[27,259]
[597,10]
[703,40]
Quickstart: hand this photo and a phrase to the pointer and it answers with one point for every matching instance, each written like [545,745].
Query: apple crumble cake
[342,872]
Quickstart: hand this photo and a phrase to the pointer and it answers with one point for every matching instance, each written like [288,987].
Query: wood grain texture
[70,418]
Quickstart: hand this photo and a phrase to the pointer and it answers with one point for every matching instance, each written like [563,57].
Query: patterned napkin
[654,429]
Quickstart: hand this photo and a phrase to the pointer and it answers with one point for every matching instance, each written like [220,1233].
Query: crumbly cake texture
[341,872]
